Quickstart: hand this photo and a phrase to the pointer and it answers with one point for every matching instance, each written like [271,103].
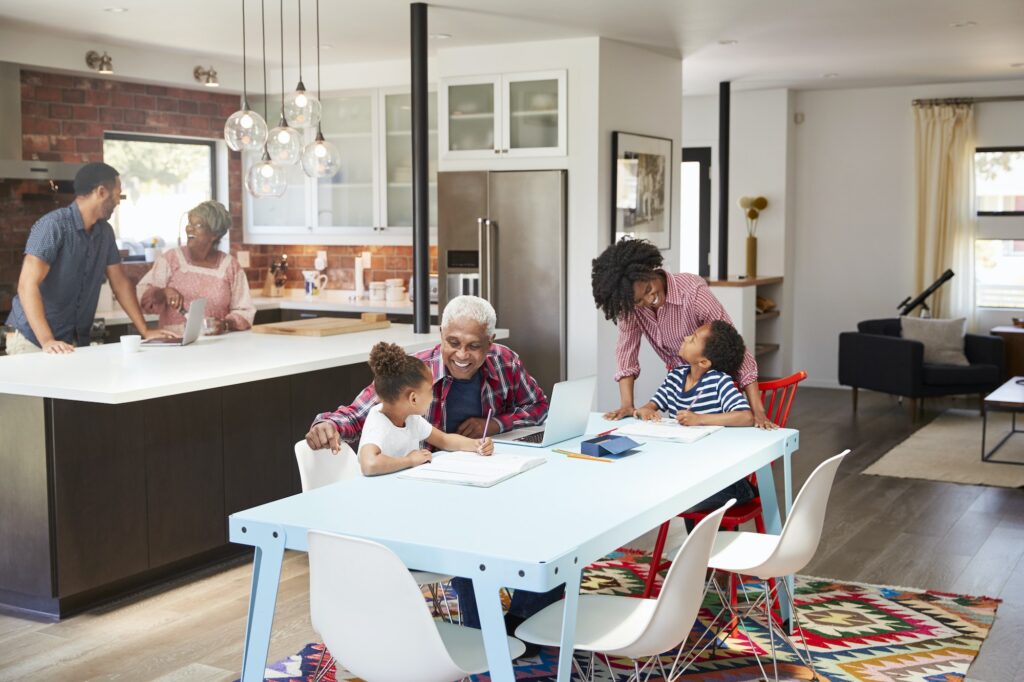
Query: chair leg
[855,400]
[913,409]
[659,547]
[981,404]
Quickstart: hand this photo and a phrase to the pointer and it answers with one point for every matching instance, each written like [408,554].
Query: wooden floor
[949,537]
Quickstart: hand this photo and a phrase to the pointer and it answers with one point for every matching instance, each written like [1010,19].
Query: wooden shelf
[745,282]
[767,316]
[764,348]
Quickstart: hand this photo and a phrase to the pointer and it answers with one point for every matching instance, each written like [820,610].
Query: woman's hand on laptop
[160,334]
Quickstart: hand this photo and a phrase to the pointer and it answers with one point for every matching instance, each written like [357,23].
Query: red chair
[777,396]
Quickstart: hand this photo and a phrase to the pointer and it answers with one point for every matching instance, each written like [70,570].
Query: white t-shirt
[392,440]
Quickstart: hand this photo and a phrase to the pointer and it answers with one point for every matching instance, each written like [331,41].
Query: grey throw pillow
[943,339]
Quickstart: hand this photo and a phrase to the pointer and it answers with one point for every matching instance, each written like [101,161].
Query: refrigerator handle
[492,295]
[482,251]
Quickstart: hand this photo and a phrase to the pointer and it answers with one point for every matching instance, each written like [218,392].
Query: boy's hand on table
[688,418]
[647,413]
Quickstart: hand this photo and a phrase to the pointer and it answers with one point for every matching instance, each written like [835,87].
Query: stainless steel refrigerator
[502,235]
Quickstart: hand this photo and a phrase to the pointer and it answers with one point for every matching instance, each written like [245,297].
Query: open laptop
[193,325]
[568,413]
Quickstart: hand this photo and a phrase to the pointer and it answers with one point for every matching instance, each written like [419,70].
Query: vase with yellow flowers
[752,207]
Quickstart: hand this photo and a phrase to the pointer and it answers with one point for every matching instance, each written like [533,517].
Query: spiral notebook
[667,429]
[469,468]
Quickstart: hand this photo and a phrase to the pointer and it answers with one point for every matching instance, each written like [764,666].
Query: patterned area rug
[856,633]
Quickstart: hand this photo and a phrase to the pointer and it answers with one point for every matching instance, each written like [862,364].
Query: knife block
[270,289]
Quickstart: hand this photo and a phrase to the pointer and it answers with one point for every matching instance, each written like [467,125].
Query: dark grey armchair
[877,358]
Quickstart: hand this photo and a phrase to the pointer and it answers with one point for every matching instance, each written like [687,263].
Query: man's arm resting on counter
[125,293]
[33,272]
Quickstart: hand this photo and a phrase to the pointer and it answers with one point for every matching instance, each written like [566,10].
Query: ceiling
[779,43]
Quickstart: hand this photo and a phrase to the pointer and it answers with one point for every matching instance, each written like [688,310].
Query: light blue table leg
[266,574]
[572,599]
[770,508]
[492,624]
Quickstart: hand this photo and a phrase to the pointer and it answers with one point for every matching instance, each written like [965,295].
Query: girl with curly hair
[632,289]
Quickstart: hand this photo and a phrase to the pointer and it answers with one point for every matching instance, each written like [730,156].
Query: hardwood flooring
[921,534]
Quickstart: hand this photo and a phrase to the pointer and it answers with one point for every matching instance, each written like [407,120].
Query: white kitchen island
[120,470]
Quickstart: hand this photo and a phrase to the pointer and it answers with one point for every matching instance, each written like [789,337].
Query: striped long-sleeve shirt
[689,305]
[507,388]
[714,393]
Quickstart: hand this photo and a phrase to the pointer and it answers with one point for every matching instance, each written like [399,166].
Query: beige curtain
[944,151]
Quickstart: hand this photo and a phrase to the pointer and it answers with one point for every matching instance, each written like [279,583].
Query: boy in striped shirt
[702,392]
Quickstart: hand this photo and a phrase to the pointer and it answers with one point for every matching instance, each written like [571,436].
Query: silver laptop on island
[568,413]
[193,325]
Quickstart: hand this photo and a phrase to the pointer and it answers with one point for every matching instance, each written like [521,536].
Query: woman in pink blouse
[631,288]
[199,270]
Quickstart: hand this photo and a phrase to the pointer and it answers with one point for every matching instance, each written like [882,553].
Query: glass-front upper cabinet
[396,122]
[347,199]
[520,114]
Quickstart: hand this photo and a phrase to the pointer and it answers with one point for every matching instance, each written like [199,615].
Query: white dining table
[534,531]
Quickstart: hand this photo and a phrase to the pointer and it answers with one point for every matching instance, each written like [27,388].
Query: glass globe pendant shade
[284,144]
[301,108]
[320,158]
[264,179]
[245,130]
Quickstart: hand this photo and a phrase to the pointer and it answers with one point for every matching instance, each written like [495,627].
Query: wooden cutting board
[321,326]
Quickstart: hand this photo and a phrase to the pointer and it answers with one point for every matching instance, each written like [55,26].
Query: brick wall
[64,118]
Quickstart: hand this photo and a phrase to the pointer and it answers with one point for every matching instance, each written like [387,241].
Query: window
[161,179]
[999,273]
[999,180]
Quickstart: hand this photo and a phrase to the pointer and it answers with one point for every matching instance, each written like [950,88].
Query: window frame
[977,304]
[997,214]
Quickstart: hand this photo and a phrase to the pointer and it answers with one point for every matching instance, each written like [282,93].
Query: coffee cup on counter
[131,343]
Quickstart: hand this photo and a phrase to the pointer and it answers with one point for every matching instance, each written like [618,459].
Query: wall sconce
[97,62]
[207,77]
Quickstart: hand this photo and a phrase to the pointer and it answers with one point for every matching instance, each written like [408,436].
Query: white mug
[131,343]
[315,282]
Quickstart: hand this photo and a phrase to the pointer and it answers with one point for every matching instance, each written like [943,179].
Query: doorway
[695,213]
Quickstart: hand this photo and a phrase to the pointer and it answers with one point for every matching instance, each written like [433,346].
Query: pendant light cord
[320,123]
[298,4]
[245,83]
[281,4]
[263,29]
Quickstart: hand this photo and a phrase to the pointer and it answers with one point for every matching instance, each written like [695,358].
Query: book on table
[667,429]
[469,468]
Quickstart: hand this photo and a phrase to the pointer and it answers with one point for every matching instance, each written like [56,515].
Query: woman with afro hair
[633,290]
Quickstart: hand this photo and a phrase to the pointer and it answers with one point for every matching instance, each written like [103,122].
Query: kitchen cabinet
[369,200]
[504,116]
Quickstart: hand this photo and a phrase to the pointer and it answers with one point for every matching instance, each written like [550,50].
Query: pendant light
[301,108]
[265,179]
[284,143]
[320,158]
[245,129]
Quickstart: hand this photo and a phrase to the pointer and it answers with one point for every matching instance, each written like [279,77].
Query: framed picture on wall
[642,188]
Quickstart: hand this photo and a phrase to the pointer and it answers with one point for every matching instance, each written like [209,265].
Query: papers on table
[667,429]
[469,468]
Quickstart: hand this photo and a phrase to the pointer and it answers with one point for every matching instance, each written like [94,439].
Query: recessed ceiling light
[326,46]
[440,36]
[115,10]
[1017,65]
[728,41]
[963,24]
[830,75]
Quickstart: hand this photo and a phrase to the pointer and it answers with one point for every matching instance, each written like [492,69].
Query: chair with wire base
[769,557]
[612,625]
[777,396]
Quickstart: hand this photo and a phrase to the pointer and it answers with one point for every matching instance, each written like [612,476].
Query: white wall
[641,92]
[855,229]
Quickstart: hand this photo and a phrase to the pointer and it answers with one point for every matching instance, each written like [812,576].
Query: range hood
[12,167]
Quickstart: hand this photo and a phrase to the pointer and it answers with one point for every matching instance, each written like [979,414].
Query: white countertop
[105,374]
[335,301]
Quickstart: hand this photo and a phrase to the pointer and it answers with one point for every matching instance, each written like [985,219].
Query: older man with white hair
[472,376]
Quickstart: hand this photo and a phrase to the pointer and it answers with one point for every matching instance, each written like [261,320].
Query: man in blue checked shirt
[69,253]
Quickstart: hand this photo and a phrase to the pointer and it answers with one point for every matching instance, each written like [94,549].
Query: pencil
[577,455]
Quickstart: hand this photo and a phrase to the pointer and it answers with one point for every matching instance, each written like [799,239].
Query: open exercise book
[469,468]
[667,429]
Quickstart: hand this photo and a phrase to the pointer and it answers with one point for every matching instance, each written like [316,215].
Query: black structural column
[420,150]
[723,180]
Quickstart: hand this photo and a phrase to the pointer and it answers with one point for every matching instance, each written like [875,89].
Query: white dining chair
[318,468]
[365,628]
[612,625]
[766,556]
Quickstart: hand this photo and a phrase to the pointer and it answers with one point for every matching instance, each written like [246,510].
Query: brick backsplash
[64,118]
